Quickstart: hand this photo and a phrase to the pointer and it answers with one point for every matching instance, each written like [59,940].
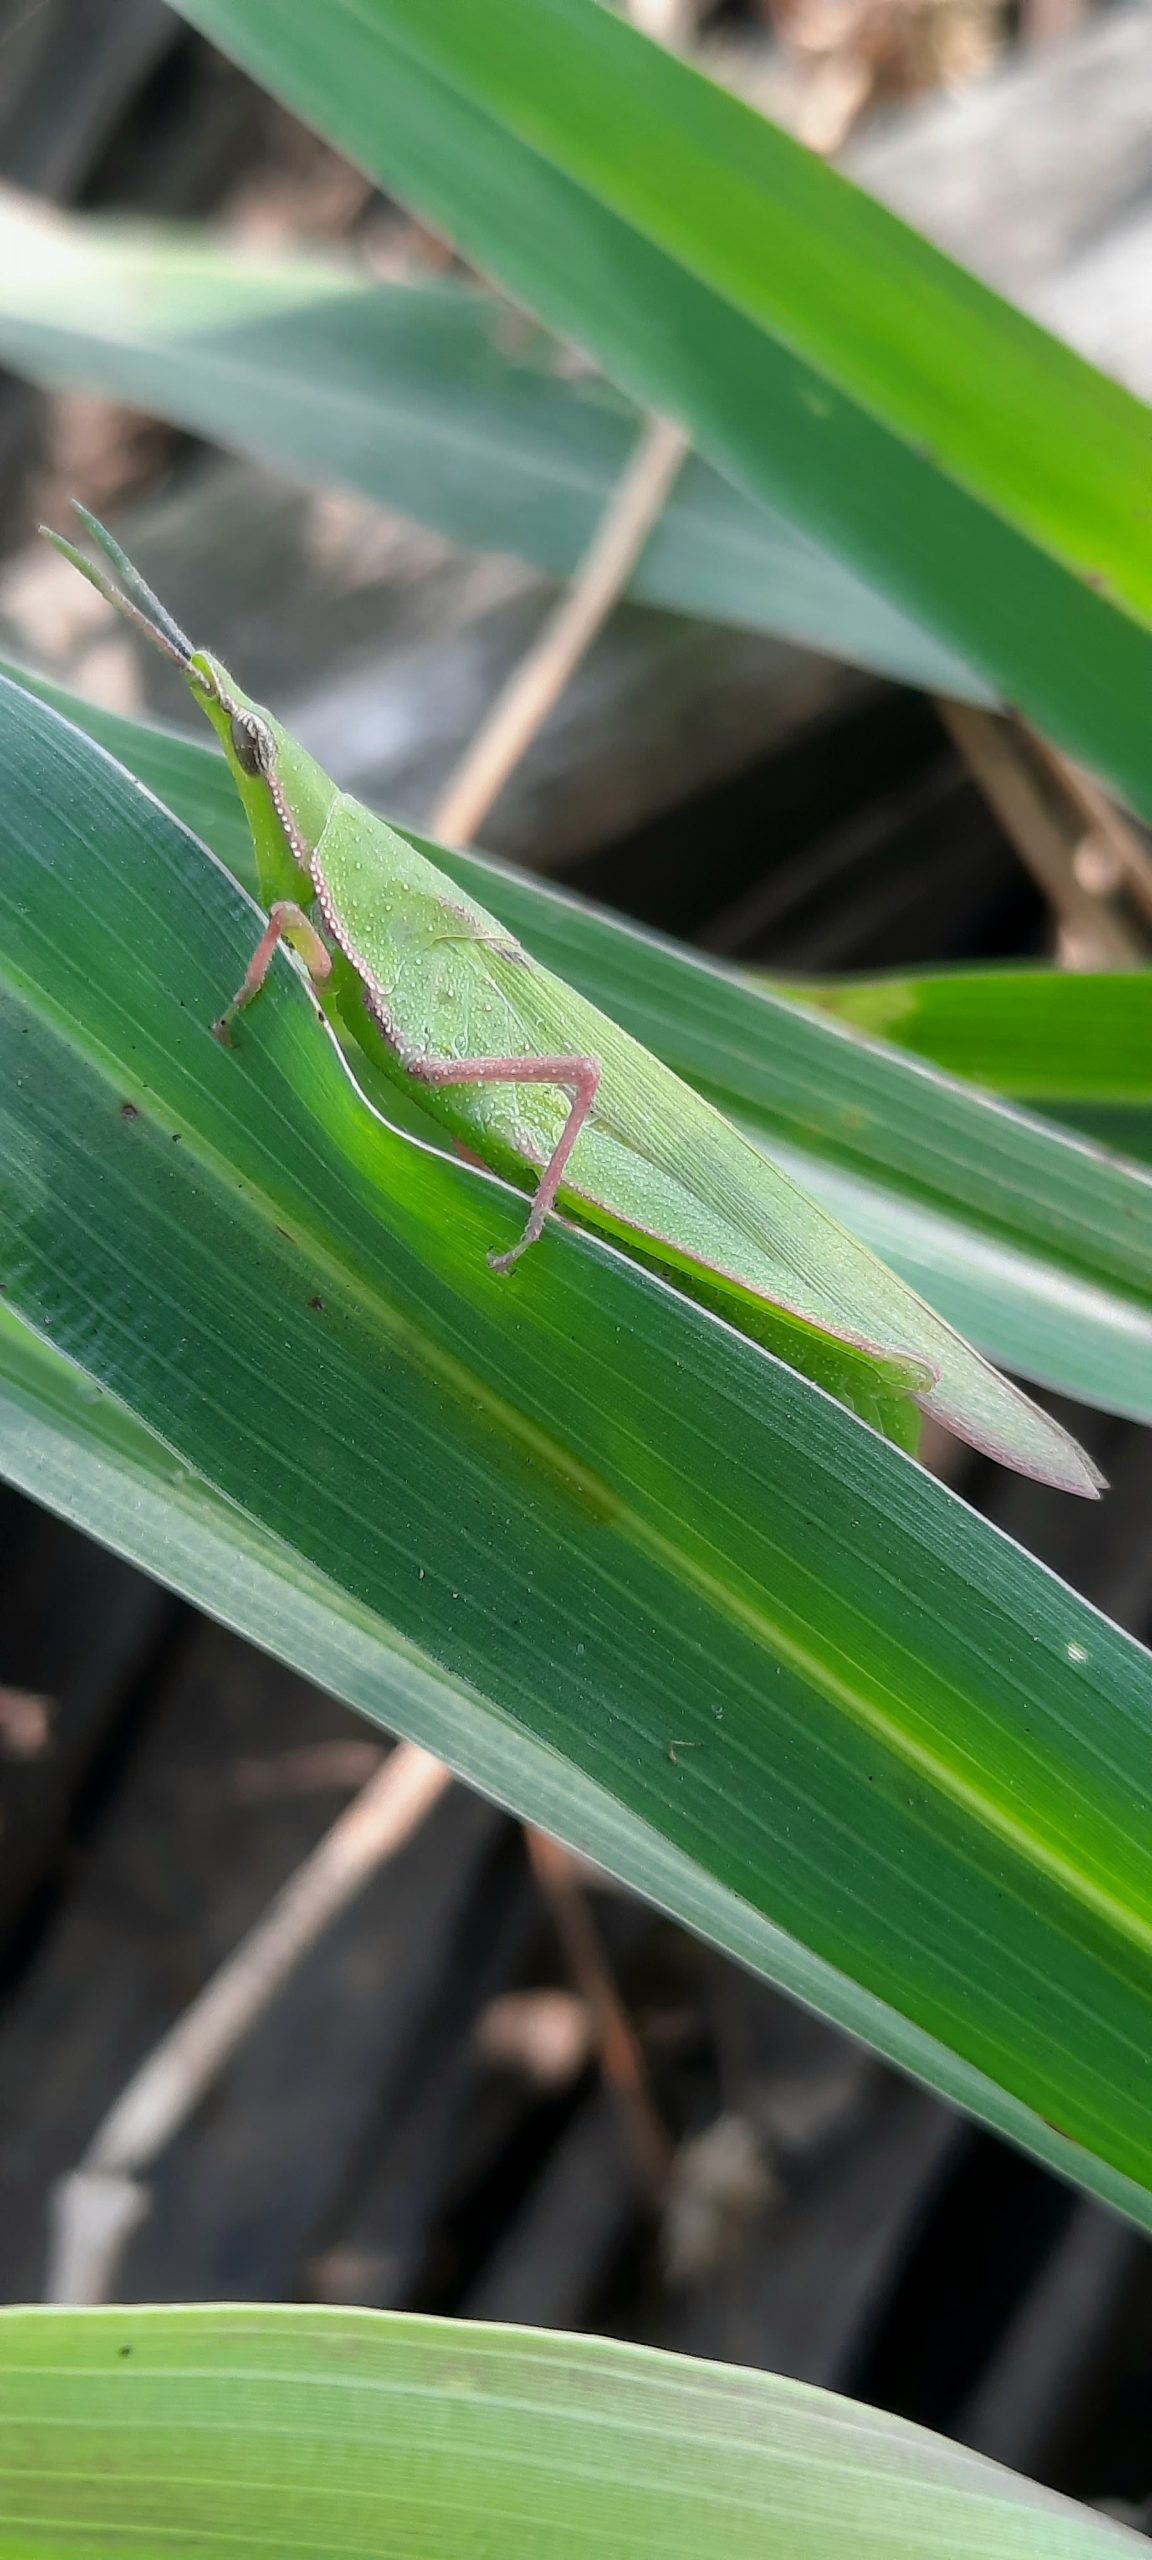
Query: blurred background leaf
[839,380]
[340,2432]
[431,398]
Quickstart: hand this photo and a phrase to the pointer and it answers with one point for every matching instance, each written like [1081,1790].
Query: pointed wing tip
[1072,1471]
[1037,1447]
[1069,1469]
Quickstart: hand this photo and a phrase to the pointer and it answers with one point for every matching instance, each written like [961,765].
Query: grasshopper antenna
[128,591]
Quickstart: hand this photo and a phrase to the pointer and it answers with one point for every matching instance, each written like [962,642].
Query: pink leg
[578,1076]
[286,923]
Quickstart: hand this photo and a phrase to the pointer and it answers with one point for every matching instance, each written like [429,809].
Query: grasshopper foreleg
[286,923]
[578,1076]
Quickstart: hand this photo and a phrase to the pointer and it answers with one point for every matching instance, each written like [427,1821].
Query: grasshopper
[528,1076]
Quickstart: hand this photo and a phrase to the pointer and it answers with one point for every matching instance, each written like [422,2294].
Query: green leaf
[432,399]
[1077,1047]
[621,1526]
[331,2432]
[835,366]
[76,1449]
[1041,1035]
[1008,1229]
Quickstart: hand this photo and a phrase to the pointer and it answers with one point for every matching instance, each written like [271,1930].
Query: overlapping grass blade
[830,362]
[432,398]
[1075,1045]
[1039,1034]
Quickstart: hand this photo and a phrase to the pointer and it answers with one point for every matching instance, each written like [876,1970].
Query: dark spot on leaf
[317,1306]
[129,1111]
[124,2351]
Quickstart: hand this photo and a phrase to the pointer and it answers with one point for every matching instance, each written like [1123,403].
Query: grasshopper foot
[502,1262]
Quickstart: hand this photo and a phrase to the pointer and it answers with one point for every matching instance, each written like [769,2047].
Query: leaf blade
[1038,1034]
[507,1486]
[577,208]
[324,2430]
[425,398]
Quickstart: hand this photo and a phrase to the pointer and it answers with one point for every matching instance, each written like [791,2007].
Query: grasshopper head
[285,792]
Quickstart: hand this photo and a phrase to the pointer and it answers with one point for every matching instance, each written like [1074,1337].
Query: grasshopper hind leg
[579,1077]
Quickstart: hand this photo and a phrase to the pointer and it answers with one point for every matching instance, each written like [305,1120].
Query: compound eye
[249,743]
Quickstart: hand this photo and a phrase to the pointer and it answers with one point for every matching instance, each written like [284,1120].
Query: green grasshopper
[531,1078]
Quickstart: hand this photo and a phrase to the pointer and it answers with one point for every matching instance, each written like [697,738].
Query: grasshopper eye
[251,744]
